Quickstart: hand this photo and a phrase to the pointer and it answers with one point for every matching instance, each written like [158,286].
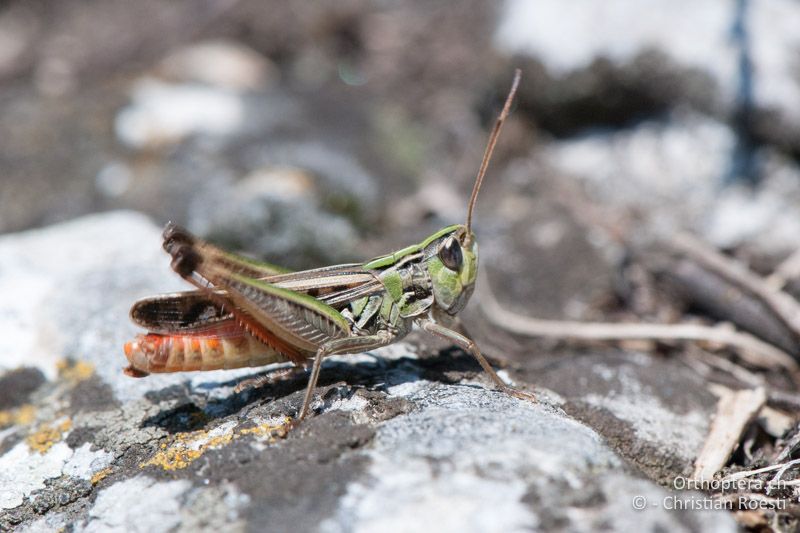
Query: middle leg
[337,346]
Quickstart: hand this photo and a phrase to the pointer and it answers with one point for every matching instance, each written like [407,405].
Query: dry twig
[751,349]
[735,411]
[714,361]
[749,473]
[704,289]
[791,445]
[788,270]
[783,305]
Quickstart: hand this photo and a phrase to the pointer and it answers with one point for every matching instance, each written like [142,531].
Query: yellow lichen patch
[101,475]
[186,448]
[23,415]
[268,430]
[75,371]
[47,435]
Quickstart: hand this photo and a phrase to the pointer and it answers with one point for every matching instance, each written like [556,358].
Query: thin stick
[735,411]
[777,401]
[776,478]
[786,308]
[737,371]
[747,473]
[788,270]
[487,154]
[751,349]
[785,400]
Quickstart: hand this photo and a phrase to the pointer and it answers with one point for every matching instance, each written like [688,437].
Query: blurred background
[300,131]
[309,134]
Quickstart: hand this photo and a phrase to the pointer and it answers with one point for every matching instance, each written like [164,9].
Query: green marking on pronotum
[394,284]
[390,259]
[446,283]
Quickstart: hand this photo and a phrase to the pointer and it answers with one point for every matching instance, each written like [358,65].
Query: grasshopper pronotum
[248,313]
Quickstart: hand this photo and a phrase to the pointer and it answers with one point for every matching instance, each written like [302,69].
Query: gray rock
[674,169]
[405,438]
[655,413]
[713,38]
[137,504]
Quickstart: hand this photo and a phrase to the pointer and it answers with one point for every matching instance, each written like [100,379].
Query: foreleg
[469,345]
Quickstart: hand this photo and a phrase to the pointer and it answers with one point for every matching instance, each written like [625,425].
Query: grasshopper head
[452,262]
[452,256]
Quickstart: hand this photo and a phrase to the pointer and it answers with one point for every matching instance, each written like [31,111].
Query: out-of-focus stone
[162,114]
[673,171]
[712,37]
[224,64]
[303,205]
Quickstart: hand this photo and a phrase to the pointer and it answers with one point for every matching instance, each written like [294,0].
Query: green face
[453,267]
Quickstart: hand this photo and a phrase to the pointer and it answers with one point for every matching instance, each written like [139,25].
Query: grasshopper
[246,313]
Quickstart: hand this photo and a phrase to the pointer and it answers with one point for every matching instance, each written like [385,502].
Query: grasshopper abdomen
[156,353]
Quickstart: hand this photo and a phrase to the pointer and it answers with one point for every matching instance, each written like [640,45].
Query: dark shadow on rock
[185,417]
[17,385]
[92,395]
[605,95]
[450,365]
[315,469]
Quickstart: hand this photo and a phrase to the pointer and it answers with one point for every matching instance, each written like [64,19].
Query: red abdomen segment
[156,353]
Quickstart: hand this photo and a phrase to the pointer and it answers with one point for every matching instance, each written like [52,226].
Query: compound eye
[450,254]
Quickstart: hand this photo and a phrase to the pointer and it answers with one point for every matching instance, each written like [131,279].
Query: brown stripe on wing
[297,318]
[335,285]
[340,299]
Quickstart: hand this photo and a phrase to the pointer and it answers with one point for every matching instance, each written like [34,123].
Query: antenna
[487,154]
